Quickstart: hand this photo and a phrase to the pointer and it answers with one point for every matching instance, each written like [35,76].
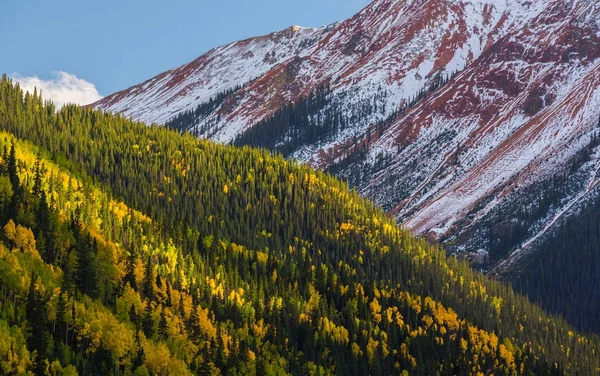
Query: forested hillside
[565,277]
[230,261]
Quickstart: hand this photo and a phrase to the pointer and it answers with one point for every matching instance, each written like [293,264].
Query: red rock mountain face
[525,103]
[399,45]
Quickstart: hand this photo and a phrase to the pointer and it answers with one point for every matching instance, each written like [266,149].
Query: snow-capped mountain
[159,99]
[455,161]
[397,45]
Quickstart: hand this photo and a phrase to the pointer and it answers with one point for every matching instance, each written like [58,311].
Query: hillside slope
[517,117]
[439,155]
[473,122]
[226,277]
[564,278]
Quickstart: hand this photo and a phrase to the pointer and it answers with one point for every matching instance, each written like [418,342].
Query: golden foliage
[338,334]
[375,310]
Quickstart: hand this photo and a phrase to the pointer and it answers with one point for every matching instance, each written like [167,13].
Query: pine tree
[134,317]
[194,325]
[39,337]
[130,270]
[5,157]
[12,169]
[148,321]
[44,219]
[61,321]
[149,280]
[87,268]
[163,329]
[38,174]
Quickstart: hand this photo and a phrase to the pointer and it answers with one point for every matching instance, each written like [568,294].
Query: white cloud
[62,88]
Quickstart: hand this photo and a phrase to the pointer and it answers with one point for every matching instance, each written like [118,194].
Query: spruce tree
[148,321]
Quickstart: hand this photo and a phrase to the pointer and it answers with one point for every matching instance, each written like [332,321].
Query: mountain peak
[296,28]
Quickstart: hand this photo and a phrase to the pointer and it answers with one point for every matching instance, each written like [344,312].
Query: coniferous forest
[305,122]
[564,278]
[188,120]
[133,250]
[317,118]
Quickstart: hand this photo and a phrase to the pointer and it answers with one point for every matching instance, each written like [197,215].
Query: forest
[129,249]
[312,119]
[560,270]
[189,121]
[319,117]
[564,278]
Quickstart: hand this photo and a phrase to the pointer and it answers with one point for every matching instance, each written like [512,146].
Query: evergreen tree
[149,280]
[12,170]
[38,340]
[37,179]
[163,326]
[148,321]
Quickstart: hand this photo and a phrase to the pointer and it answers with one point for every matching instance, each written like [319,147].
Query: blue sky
[117,43]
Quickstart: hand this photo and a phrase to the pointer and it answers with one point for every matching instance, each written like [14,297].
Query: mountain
[219,70]
[473,122]
[511,118]
[130,249]
[397,46]
[512,79]
[497,162]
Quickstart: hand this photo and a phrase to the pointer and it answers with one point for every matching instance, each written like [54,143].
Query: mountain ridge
[173,86]
[367,33]
[473,123]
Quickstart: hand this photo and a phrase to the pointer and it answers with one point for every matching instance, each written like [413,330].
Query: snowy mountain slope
[398,46]
[511,119]
[162,97]
[525,103]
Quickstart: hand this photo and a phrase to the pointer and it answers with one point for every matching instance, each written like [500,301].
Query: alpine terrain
[473,122]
